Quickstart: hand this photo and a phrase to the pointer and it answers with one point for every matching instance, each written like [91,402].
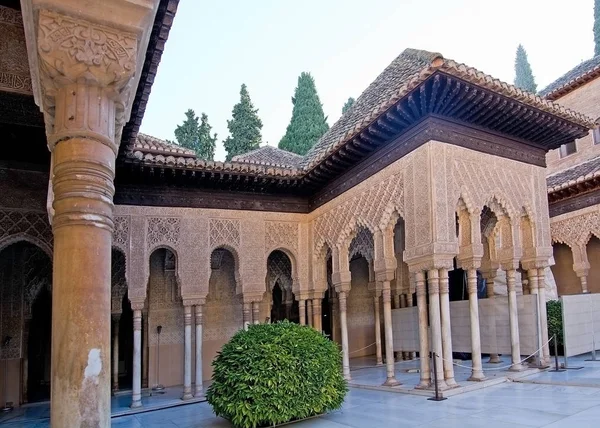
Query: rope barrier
[499,368]
[368,346]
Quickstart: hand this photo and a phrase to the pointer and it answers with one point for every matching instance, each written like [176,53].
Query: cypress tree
[308,122]
[523,74]
[596,27]
[244,127]
[195,135]
[348,105]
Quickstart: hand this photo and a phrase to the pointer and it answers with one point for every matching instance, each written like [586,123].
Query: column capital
[468,263]
[194,301]
[137,305]
[249,297]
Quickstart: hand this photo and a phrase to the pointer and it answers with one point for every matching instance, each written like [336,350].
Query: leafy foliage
[274,373]
[308,122]
[523,75]
[596,27]
[244,127]
[347,105]
[555,325]
[195,135]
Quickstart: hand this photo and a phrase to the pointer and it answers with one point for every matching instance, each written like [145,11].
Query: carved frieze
[14,67]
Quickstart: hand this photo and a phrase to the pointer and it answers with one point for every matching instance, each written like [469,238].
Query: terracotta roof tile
[573,175]
[149,144]
[268,155]
[575,77]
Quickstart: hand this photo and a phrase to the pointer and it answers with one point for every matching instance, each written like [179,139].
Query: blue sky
[215,46]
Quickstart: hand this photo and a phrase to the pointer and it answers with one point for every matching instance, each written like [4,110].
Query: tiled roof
[573,175]
[577,76]
[406,72]
[150,144]
[269,155]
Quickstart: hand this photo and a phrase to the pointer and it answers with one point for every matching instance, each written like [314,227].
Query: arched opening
[25,322]
[223,308]
[327,307]
[567,281]
[39,348]
[280,282]
[165,321]
[126,345]
[593,255]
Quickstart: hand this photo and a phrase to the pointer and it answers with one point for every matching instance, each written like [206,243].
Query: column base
[379,363]
[477,377]
[187,396]
[199,394]
[451,383]
[391,381]
[423,384]
[494,359]
[135,404]
[348,378]
[516,368]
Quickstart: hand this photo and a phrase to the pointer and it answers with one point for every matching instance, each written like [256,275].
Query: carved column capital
[74,51]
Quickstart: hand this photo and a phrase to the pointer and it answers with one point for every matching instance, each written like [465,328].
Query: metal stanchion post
[437,396]
[556,369]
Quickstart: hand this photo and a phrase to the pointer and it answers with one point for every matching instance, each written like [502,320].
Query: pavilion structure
[436,167]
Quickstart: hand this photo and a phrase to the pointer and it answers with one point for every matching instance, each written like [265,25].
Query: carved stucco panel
[18,225]
[14,66]
[575,231]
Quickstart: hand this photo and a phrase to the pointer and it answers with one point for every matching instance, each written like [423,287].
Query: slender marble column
[377,330]
[199,381]
[344,328]
[533,287]
[389,336]
[446,329]
[584,286]
[187,358]
[334,316]
[543,314]
[409,303]
[309,312]
[302,310]
[145,349]
[115,363]
[317,314]
[246,315]
[477,369]
[255,312]
[425,378]
[136,398]
[403,355]
[435,322]
[489,283]
[513,319]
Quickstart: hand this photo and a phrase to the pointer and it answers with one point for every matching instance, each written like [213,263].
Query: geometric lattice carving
[121,232]
[29,223]
[362,244]
[279,270]
[163,230]
[575,231]
[224,232]
[281,234]
[369,207]
[14,67]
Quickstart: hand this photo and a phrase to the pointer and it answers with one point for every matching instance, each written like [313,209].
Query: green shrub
[555,327]
[275,373]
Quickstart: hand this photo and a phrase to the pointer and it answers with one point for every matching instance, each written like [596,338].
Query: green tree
[244,127]
[523,75]
[308,122]
[195,135]
[348,105]
[596,27]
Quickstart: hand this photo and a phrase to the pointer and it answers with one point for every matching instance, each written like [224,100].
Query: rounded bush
[275,373]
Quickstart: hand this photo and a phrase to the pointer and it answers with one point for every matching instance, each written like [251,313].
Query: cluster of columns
[311,312]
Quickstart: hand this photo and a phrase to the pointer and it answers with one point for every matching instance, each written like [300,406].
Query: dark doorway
[126,345]
[326,318]
[38,348]
[280,310]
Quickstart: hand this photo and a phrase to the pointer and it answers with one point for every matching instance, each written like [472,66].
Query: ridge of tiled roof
[149,144]
[574,175]
[269,155]
[577,76]
[406,72]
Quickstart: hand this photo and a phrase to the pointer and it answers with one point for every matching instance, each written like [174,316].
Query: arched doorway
[126,345]
[279,282]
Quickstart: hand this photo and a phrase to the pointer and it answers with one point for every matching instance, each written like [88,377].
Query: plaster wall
[361,317]
[566,279]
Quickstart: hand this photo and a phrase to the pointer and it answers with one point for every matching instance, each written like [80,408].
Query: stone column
[477,369]
[446,329]
[199,321]
[389,335]
[401,303]
[490,277]
[85,72]
[136,397]
[115,352]
[543,314]
[425,378]
[145,349]
[187,359]
[255,312]
[435,322]
[309,312]
[533,287]
[246,314]
[334,315]
[302,310]
[317,314]
[344,328]
[513,319]
[377,329]
[409,304]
